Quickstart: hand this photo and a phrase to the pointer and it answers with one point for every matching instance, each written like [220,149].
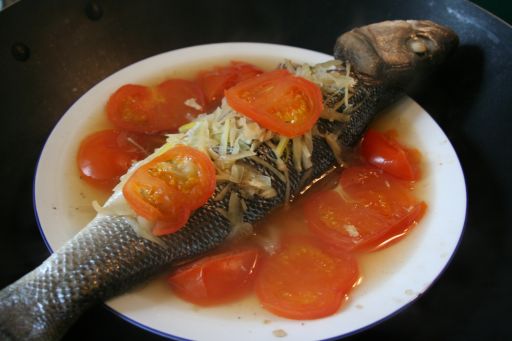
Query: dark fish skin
[106,258]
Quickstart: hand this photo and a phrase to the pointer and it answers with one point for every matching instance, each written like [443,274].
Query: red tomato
[384,151]
[106,155]
[217,279]
[168,188]
[374,210]
[173,112]
[301,281]
[279,101]
[132,107]
[215,81]
[149,110]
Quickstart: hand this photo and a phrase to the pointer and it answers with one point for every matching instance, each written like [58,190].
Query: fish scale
[107,257]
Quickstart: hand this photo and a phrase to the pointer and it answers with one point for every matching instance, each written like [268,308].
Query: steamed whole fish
[108,257]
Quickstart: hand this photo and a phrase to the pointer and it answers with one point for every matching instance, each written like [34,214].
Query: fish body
[108,257]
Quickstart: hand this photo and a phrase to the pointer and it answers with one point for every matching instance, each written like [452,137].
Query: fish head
[396,52]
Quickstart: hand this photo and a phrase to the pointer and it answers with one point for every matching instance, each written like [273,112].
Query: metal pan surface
[53,52]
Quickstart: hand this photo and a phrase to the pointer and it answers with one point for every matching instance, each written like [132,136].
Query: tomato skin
[279,101]
[150,110]
[168,188]
[106,155]
[217,279]
[215,81]
[301,281]
[384,152]
[374,211]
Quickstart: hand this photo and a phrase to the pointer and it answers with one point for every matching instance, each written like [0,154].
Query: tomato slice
[106,155]
[279,101]
[168,188]
[301,281]
[131,108]
[385,152]
[182,101]
[217,279]
[213,82]
[373,210]
[149,110]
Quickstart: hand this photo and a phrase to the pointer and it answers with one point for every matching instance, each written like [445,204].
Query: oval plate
[63,207]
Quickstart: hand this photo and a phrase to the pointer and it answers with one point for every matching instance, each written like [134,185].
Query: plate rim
[241,44]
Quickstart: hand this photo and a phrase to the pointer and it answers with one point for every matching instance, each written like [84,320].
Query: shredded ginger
[229,137]
[333,78]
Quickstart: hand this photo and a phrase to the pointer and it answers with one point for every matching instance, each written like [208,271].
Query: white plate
[401,273]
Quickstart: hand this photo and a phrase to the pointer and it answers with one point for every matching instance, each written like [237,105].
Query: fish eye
[419,45]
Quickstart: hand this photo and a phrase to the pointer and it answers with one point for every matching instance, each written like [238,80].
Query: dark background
[500,8]
[73,45]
